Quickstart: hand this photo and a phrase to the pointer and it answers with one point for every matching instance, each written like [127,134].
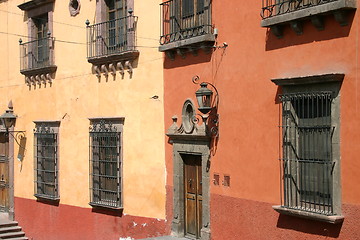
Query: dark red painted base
[44,221]
[234,219]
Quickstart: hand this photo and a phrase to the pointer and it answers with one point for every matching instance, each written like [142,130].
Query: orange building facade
[277,155]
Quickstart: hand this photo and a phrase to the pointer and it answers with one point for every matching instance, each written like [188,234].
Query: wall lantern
[208,105]
[8,120]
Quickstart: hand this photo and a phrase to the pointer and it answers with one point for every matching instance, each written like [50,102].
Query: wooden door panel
[4,176]
[191,214]
[193,195]
[4,172]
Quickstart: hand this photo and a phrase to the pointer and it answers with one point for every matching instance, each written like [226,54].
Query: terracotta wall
[248,147]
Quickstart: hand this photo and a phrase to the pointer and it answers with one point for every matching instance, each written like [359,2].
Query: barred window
[46,160]
[307,151]
[105,163]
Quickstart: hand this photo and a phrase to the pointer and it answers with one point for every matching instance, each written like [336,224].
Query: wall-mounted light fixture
[208,105]
[8,120]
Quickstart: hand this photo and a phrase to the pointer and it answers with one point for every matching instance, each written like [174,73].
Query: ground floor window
[46,160]
[105,163]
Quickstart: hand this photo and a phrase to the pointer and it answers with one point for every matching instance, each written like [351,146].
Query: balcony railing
[111,38]
[37,54]
[271,8]
[180,21]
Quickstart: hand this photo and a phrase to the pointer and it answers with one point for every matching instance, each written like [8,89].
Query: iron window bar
[37,54]
[307,164]
[111,37]
[105,164]
[46,163]
[184,19]
[271,8]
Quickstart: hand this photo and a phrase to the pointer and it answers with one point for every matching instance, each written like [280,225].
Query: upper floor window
[106,163]
[46,160]
[37,54]
[182,20]
[277,13]
[112,37]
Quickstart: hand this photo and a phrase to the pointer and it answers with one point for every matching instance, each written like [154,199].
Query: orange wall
[248,148]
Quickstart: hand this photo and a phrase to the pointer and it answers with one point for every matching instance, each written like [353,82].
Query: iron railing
[271,8]
[307,164]
[183,19]
[37,54]
[46,164]
[105,185]
[111,37]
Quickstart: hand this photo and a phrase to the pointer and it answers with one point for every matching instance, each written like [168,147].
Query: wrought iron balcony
[185,23]
[275,13]
[37,56]
[272,8]
[112,40]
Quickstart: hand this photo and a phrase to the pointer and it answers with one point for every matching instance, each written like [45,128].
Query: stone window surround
[54,125]
[330,82]
[117,62]
[36,8]
[118,122]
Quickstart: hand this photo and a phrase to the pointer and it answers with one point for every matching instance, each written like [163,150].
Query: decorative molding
[40,79]
[112,68]
[324,78]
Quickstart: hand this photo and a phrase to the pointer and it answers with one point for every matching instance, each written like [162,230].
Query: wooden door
[4,173]
[193,195]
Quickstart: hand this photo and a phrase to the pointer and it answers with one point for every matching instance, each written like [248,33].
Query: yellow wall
[76,95]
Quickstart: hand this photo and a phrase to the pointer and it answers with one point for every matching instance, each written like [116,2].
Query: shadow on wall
[309,226]
[310,34]
[188,59]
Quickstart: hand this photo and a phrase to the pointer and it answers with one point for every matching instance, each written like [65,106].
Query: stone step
[12,235]
[8,224]
[19,238]
[10,229]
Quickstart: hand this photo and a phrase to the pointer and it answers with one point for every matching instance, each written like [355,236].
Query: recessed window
[74,7]
[46,160]
[105,163]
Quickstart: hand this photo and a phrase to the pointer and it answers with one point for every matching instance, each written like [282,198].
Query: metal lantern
[204,98]
[8,119]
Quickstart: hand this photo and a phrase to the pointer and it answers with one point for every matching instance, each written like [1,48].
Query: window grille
[307,151]
[46,162]
[105,164]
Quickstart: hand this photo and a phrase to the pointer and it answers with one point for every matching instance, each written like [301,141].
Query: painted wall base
[234,218]
[42,221]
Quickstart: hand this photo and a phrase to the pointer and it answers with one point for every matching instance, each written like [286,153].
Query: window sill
[39,71]
[323,9]
[104,205]
[308,215]
[43,197]
[115,57]
[203,40]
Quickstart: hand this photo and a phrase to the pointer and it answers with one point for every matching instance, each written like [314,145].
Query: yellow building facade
[94,86]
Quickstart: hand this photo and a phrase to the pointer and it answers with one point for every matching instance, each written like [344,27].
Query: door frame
[201,148]
[11,212]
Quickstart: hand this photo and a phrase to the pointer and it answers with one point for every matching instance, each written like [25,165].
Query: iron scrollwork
[102,126]
[277,7]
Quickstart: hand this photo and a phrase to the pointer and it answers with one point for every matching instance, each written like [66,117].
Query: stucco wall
[76,94]
[248,149]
